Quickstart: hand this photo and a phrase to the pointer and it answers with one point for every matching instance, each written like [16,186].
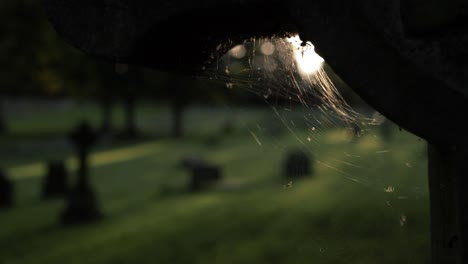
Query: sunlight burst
[307,60]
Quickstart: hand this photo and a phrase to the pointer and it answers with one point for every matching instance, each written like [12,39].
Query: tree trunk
[448,187]
[130,125]
[3,126]
[177,119]
[106,121]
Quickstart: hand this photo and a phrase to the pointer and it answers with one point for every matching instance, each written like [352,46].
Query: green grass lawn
[366,203]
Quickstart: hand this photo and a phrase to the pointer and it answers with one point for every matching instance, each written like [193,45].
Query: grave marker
[6,191]
[298,164]
[55,182]
[82,205]
[203,176]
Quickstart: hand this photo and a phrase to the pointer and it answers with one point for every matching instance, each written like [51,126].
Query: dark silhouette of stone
[82,206]
[298,164]
[55,182]
[204,176]
[335,27]
[6,191]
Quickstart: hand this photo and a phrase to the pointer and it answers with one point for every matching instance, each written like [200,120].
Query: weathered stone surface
[170,35]
[365,45]
[364,41]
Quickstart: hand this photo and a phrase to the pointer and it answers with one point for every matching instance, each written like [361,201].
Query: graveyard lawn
[366,202]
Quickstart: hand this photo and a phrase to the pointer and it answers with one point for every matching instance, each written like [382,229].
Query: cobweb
[306,102]
[271,68]
[276,72]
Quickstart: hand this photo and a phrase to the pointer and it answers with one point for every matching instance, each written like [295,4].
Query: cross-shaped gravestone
[82,205]
[55,182]
[6,191]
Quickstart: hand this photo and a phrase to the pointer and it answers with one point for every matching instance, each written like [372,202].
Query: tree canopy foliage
[35,61]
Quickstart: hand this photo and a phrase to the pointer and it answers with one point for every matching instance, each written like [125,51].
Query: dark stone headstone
[6,191]
[82,205]
[204,176]
[298,164]
[130,131]
[55,182]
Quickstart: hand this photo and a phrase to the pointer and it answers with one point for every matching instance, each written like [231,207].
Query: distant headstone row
[298,164]
[82,205]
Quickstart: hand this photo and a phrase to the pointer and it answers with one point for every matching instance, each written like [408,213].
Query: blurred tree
[131,86]
[105,94]
[17,47]
[183,91]
[179,93]
[35,60]
[3,128]
[119,81]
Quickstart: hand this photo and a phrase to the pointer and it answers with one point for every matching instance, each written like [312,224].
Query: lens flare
[267,48]
[238,52]
[307,60]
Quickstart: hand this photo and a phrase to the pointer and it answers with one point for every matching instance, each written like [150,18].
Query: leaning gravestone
[298,164]
[6,191]
[82,205]
[55,182]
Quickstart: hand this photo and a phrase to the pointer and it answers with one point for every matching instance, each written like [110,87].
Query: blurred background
[250,161]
